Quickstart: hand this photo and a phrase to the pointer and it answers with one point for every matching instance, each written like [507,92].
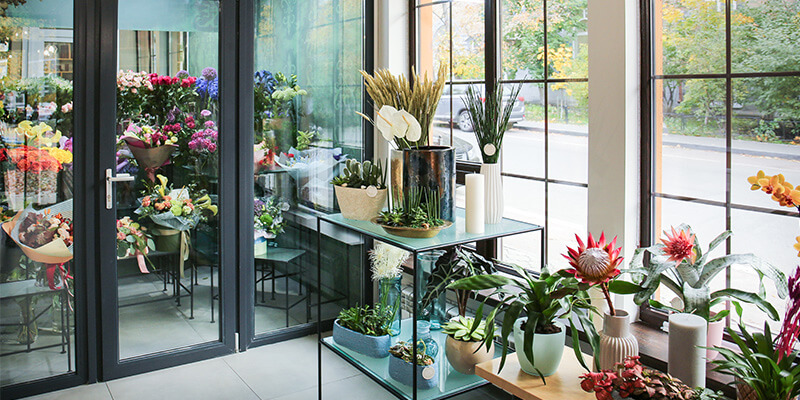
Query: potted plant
[268,221]
[463,347]
[361,190]
[531,306]
[630,379]
[404,117]
[400,366]
[489,116]
[679,264]
[766,368]
[416,216]
[364,330]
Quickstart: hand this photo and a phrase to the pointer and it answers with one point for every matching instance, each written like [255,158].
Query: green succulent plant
[465,329]
[356,175]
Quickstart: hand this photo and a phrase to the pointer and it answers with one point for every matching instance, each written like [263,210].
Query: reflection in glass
[691,38]
[37,335]
[167,140]
[307,90]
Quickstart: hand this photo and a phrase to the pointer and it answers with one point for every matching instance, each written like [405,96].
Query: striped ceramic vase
[616,340]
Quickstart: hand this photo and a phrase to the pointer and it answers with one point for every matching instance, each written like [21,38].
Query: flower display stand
[450,382]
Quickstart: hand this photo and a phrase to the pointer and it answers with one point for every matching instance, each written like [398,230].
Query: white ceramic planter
[616,340]
[547,350]
[494,192]
[356,203]
[463,355]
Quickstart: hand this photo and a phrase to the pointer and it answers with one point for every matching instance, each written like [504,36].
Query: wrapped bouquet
[268,218]
[133,240]
[44,235]
[174,208]
[151,147]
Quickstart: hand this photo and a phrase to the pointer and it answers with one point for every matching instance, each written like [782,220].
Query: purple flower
[182,74]
[205,113]
[209,73]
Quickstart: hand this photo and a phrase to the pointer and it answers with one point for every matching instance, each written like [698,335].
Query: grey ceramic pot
[432,167]
[400,371]
[370,346]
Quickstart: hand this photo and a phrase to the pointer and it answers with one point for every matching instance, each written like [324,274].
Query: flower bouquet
[41,135]
[312,170]
[46,235]
[133,240]
[150,146]
[174,208]
[30,175]
[268,218]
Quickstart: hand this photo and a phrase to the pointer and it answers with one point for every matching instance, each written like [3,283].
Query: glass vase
[425,342]
[431,307]
[390,296]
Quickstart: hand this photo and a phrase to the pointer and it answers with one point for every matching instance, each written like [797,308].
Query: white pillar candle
[687,332]
[475,206]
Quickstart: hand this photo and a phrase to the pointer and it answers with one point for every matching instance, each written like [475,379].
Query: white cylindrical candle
[475,203]
[687,332]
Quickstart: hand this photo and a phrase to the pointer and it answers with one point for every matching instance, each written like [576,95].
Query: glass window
[705,146]
[37,289]
[307,92]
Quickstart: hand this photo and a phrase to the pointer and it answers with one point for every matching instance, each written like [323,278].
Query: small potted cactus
[464,347]
[361,190]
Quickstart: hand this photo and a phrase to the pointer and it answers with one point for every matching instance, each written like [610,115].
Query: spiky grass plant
[490,117]
[419,98]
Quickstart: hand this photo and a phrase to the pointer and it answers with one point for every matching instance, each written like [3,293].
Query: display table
[451,382]
[564,384]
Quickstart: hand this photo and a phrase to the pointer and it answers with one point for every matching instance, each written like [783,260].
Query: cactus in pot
[361,189]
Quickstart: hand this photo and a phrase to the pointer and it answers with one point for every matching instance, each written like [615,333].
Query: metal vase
[432,167]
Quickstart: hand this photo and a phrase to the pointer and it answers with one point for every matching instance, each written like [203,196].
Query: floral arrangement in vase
[31,175]
[631,380]
[387,269]
[174,208]
[130,99]
[404,110]
[268,217]
[39,135]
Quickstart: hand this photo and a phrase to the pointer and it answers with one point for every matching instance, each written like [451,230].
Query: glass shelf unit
[452,382]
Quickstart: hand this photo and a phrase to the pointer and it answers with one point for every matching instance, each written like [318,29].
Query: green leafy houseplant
[466,329]
[367,321]
[542,300]
[456,263]
[361,175]
[682,267]
[489,117]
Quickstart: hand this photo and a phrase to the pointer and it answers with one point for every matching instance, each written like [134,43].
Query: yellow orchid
[755,179]
[772,184]
[797,245]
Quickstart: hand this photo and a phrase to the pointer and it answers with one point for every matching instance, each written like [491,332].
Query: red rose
[190,124]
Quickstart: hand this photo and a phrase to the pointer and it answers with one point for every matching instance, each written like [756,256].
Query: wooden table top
[564,384]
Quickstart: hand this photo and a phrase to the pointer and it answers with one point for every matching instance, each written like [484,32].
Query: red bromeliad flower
[595,263]
[679,246]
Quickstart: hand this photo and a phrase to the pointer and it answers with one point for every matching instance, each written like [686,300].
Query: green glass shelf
[451,382]
[454,235]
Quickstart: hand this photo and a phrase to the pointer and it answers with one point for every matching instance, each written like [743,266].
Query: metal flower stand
[451,382]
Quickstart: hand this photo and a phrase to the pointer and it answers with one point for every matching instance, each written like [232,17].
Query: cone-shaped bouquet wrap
[151,146]
[174,208]
[44,235]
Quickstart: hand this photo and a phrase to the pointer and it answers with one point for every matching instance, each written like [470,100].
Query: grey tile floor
[282,371]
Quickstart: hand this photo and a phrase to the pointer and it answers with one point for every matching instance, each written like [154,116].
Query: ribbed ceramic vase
[494,192]
[616,340]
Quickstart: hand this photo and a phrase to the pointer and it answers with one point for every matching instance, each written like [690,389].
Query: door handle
[110,179]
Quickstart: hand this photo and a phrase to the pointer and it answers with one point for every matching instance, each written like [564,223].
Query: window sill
[654,347]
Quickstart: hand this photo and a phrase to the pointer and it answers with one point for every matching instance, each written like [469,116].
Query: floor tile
[98,391]
[211,379]
[354,388]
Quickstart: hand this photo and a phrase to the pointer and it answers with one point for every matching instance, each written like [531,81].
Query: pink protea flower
[595,263]
[679,246]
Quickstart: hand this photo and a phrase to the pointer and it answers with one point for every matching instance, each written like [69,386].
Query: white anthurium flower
[384,121]
[414,129]
[399,124]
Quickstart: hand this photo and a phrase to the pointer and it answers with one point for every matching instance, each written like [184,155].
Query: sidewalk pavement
[741,147]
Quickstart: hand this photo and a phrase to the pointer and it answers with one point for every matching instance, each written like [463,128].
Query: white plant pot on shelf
[494,192]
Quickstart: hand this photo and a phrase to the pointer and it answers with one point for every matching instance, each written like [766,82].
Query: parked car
[460,116]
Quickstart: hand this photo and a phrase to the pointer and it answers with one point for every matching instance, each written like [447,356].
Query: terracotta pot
[356,203]
[714,337]
[463,356]
[616,340]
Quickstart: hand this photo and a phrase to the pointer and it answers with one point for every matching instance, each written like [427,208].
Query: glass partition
[167,175]
[307,90]
[37,294]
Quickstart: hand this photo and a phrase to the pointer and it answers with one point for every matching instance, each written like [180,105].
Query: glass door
[163,192]
[37,289]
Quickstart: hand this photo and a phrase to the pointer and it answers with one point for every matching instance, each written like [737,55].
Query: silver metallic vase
[432,167]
